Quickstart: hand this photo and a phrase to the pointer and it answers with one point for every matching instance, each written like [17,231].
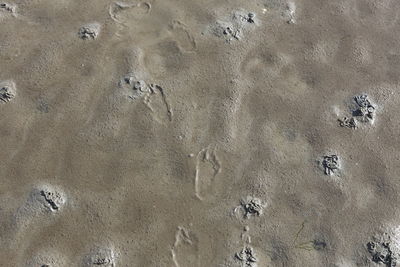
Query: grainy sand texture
[207,133]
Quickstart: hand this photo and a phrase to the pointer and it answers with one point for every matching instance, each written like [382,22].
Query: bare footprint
[134,87]
[42,207]
[123,11]
[185,249]
[43,199]
[158,104]
[208,167]
[181,34]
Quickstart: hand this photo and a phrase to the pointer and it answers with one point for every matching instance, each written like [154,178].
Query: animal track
[348,122]
[233,27]
[43,106]
[365,110]
[247,257]
[290,13]
[52,199]
[8,7]
[251,206]
[362,111]
[101,256]
[382,252]
[7,91]
[245,236]
[7,10]
[330,164]
[89,31]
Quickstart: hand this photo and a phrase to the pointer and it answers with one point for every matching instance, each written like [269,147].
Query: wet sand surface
[199,133]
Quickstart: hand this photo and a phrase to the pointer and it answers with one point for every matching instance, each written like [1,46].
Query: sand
[199,133]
